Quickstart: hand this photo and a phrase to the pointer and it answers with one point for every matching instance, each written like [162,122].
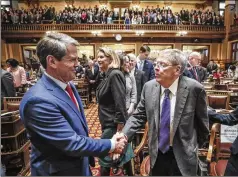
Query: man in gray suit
[176,111]
[7,86]
[139,75]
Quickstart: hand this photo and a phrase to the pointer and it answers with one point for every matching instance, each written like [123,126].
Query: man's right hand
[120,143]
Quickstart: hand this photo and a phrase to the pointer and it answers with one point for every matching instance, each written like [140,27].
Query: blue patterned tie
[164,132]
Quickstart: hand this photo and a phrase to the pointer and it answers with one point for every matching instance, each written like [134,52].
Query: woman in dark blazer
[111,97]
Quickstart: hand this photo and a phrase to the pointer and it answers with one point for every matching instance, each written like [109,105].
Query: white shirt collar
[58,82]
[133,71]
[139,60]
[173,88]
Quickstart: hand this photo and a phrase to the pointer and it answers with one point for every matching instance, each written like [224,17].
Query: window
[221,7]
[234,51]
[5,4]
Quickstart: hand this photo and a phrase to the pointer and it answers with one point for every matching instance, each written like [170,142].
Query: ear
[51,61]
[178,70]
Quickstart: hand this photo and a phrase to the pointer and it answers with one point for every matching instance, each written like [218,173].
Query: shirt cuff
[113,144]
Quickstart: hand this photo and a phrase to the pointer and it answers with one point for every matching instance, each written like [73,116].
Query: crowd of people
[130,91]
[74,15]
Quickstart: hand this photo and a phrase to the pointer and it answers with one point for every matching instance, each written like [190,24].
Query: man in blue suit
[53,116]
[145,65]
[228,119]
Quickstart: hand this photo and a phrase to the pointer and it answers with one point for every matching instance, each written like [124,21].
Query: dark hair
[232,67]
[144,48]
[54,44]
[122,58]
[12,62]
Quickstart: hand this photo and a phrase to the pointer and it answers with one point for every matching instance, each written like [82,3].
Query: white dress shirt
[62,85]
[173,93]
[140,64]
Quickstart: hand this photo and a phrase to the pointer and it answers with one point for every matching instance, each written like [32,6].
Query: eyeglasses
[162,65]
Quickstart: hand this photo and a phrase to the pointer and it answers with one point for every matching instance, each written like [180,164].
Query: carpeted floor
[94,127]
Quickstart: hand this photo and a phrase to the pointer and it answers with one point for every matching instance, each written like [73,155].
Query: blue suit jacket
[58,131]
[148,68]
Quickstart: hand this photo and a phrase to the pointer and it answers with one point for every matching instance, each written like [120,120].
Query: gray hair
[195,54]
[54,44]
[175,57]
[132,56]
[90,61]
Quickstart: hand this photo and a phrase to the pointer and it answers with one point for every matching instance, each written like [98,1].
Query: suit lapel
[156,101]
[181,98]
[80,105]
[62,95]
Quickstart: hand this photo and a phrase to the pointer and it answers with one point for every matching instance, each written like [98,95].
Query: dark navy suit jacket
[148,68]
[58,131]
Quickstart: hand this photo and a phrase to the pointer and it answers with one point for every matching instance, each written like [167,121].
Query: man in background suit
[202,72]
[175,108]
[228,119]
[211,67]
[7,86]
[53,115]
[193,61]
[139,76]
[91,75]
[145,65]
[79,71]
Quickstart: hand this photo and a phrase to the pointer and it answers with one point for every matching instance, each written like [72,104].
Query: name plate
[228,133]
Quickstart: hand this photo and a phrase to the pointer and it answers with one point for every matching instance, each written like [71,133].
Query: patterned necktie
[195,72]
[164,132]
[70,92]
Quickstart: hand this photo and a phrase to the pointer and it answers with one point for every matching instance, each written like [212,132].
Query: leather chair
[144,167]
[218,153]
[218,99]
[11,103]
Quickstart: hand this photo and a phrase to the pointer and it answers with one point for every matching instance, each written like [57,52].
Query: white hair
[195,54]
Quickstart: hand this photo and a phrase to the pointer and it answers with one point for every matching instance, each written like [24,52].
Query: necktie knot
[68,88]
[166,92]
[71,94]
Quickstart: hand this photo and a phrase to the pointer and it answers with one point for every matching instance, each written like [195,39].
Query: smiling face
[64,70]
[126,65]
[103,61]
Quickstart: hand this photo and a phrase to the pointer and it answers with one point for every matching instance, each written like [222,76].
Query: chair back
[233,87]
[218,153]
[217,150]
[218,99]
[11,103]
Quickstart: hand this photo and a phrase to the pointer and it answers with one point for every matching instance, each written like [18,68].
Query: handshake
[120,142]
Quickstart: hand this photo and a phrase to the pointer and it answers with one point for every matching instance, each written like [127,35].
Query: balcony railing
[108,27]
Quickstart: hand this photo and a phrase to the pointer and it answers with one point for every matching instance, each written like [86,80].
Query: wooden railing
[108,27]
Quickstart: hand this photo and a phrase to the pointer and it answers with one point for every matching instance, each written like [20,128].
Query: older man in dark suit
[176,111]
[228,119]
[139,76]
[7,85]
